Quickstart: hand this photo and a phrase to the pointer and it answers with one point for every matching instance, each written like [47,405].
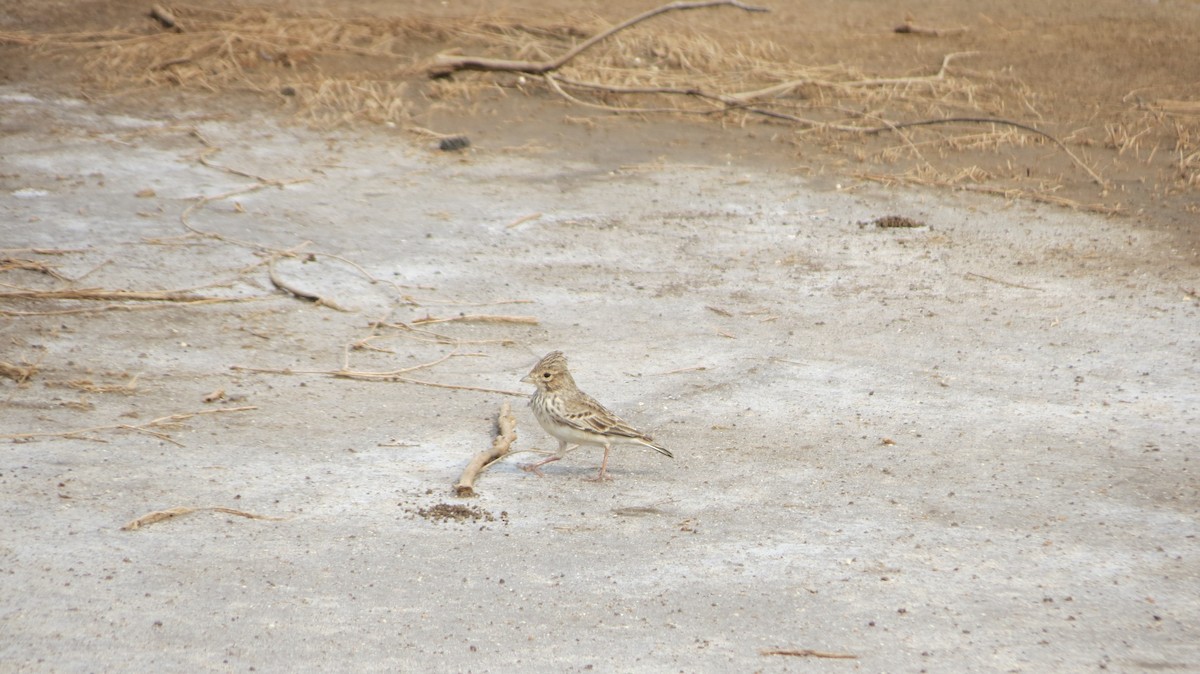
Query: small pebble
[453,143]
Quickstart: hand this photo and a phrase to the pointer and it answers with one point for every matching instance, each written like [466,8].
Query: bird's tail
[649,442]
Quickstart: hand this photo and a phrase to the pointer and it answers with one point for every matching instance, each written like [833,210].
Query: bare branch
[447,64]
[505,437]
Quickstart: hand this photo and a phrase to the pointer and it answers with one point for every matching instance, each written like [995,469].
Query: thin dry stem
[171,513]
[141,428]
[391,375]
[478,318]
[446,64]
[103,294]
[126,307]
[10,263]
[972,274]
[810,653]
[302,294]
[17,373]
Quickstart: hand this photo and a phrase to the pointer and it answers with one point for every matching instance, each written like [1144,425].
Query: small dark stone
[896,222]
[445,512]
[288,91]
[453,143]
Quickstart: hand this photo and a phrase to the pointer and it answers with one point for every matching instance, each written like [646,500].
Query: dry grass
[258,51]
[332,71]
[88,386]
[178,511]
[336,70]
[18,373]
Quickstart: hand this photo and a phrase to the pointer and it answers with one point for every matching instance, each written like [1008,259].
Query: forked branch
[447,64]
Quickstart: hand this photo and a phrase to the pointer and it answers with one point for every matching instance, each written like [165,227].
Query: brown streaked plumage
[573,417]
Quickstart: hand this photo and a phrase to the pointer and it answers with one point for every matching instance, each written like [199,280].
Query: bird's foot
[533,468]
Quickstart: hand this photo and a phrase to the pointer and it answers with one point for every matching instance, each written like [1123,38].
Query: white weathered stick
[505,437]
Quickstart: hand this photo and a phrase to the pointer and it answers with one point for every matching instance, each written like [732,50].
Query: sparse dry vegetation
[952,125]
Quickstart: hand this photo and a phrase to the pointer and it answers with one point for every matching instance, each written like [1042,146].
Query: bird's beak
[527,379]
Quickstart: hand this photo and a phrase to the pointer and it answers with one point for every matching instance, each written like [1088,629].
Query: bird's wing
[590,416]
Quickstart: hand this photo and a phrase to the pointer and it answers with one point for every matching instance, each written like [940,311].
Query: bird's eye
[545,375]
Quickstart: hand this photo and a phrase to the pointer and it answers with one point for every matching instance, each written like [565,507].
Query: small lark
[573,417]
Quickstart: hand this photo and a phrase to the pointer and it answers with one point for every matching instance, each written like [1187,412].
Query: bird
[574,418]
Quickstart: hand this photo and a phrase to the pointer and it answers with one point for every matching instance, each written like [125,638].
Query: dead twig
[729,102]
[694,368]
[302,294]
[126,307]
[456,387]
[909,28]
[203,159]
[392,375]
[104,294]
[741,102]
[7,263]
[371,277]
[139,428]
[505,437]
[810,653]
[1009,193]
[429,336]
[784,88]
[45,251]
[553,82]
[641,511]
[447,64]
[523,220]
[478,318]
[1003,283]
[474,304]
[992,120]
[166,18]
[172,513]
[203,201]
[89,386]
[262,183]
[17,373]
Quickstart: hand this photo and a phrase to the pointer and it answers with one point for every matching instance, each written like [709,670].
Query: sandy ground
[960,446]
[964,446]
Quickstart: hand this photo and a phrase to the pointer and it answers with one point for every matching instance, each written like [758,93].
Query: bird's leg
[603,466]
[534,467]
